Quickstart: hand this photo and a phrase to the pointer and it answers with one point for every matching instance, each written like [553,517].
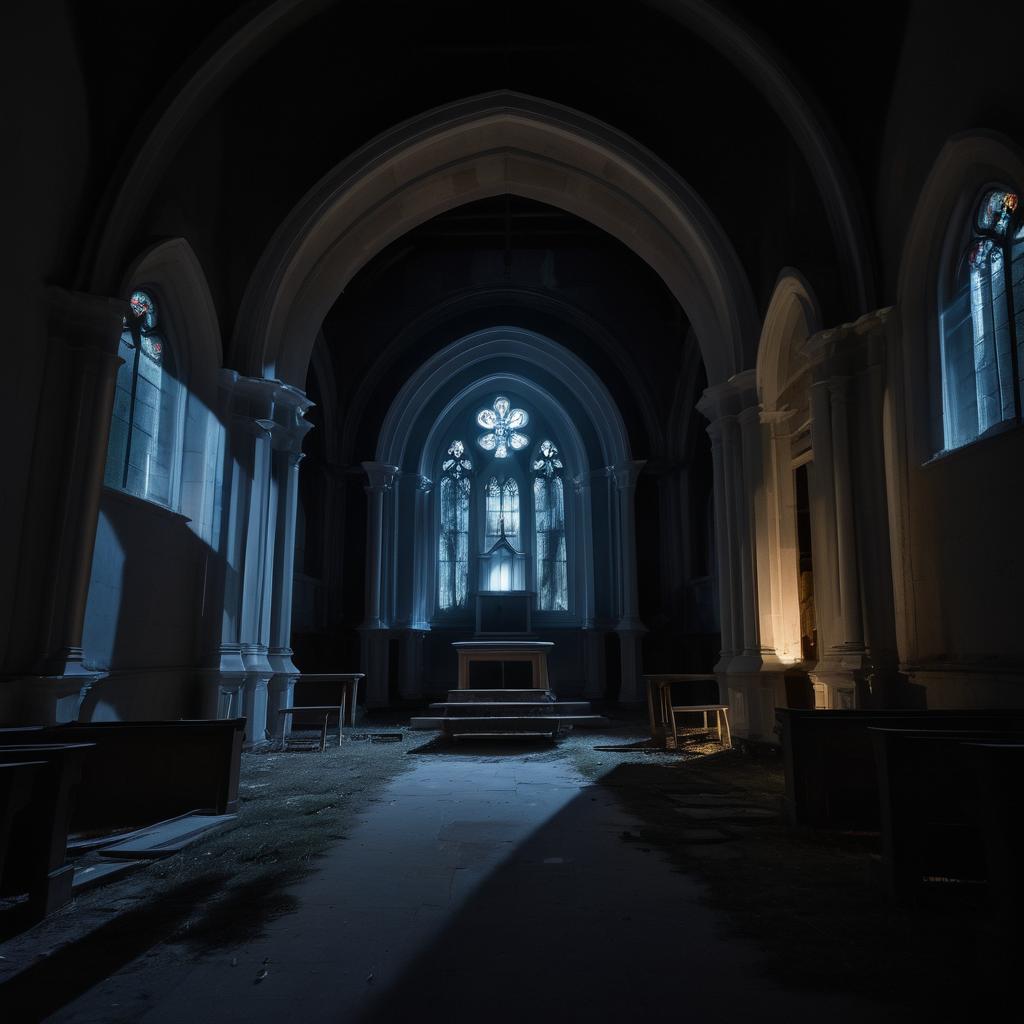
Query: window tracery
[502,423]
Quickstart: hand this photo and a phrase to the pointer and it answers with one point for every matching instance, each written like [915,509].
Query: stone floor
[475,883]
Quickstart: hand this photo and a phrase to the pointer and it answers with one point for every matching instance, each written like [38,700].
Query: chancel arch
[491,145]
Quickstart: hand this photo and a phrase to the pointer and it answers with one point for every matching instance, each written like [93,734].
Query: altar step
[506,713]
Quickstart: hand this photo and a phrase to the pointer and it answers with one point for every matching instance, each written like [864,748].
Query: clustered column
[288,436]
[253,570]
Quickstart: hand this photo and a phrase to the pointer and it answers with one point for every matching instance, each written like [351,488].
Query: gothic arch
[456,309]
[966,163]
[491,145]
[226,58]
[793,316]
[517,350]
[782,382]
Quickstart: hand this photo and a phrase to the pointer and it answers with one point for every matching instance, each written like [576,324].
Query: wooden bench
[829,758]
[998,770]
[931,807]
[346,707]
[17,780]
[35,861]
[143,772]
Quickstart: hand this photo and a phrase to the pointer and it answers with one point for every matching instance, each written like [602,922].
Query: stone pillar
[583,548]
[850,516]
[260,415]
[90,328]
[723,548]
[424,549]
[850,621]
[747,669]
[381,479]
[375,635]
[630,628]
[290,410]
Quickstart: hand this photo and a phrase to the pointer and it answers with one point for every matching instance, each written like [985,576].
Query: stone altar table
[533,651]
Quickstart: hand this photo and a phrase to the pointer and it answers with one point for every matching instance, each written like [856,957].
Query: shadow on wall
[144,612]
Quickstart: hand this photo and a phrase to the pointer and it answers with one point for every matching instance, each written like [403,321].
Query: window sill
[1001,430]
[134,501]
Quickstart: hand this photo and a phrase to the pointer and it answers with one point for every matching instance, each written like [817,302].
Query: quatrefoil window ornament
[502,422]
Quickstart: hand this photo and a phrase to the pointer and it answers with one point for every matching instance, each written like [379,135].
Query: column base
[753,685]
[375,650]
[631,688]
[595,670]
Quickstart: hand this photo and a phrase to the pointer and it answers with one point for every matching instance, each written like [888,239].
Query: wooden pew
[999,779]
[35,861]
[931,808]
[830,763]
[144,772]
[16,782]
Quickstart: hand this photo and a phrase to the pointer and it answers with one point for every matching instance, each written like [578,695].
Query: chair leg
[718,725]
[728,732]
[323,734]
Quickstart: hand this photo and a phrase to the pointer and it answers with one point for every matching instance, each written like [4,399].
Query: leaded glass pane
[501,510]
[453,541]
[549,524]
[978,350]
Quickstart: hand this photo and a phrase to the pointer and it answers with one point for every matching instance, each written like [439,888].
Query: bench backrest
[830,763]
[141,772]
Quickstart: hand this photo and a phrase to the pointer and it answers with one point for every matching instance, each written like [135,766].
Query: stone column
[583,549]
[424,549]
[238,667]
[593,639]
[90,328]
[630,628]
[291,407]
[850,620]
[381,478]
[723,548]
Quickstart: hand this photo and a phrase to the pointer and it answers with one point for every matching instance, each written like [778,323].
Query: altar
[533,651]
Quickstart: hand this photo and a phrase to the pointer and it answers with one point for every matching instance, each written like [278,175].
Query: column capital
[381,477]
[729,398]
[626,473]
[581,483]
[85,321]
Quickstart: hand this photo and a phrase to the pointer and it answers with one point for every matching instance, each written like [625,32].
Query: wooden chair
[663,712]
[349,697]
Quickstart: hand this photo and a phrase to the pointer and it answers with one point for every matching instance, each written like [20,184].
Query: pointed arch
[490,145]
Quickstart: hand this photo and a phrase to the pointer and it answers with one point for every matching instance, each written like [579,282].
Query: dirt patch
[218,893]
[807,898]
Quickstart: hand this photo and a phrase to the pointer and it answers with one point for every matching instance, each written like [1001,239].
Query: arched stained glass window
[140,452]
[983,325]
[453,543]
[549,524]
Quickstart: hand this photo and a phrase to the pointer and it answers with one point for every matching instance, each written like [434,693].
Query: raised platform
[507,713]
